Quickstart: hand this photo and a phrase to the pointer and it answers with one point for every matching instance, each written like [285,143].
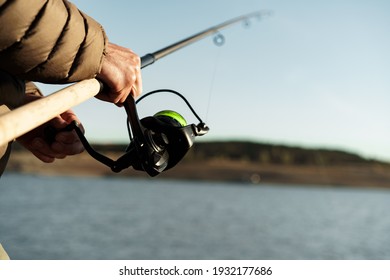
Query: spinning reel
[157,143]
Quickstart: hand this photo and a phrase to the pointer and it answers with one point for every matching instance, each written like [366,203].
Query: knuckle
[138,60]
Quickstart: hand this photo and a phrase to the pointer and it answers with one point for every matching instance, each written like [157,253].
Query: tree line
[271,154]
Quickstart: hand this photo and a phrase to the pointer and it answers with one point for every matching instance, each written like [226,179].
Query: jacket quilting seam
[31,27]
[79,51]
[4,6]
[55,47]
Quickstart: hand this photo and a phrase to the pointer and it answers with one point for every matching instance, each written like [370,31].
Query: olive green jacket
[49,41]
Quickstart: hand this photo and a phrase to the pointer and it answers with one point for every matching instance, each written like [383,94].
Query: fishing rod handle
[27,117]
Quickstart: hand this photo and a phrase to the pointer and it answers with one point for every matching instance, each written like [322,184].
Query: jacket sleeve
[49,41]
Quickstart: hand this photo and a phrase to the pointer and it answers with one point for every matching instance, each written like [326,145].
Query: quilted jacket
[49,41]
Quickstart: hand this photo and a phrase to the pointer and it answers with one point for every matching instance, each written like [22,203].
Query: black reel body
[157,143]
[168,144]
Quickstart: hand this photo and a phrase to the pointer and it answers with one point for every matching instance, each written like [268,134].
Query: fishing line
[219,41]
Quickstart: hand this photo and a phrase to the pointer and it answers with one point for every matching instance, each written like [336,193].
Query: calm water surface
[110,218]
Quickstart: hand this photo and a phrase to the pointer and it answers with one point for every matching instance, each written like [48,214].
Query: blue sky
[315,74]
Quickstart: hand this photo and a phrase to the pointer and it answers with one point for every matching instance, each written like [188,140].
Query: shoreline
[351,175]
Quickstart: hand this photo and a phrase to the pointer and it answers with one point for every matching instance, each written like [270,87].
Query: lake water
[112,218]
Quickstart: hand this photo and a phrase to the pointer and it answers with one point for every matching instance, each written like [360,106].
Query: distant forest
[261,153]
[271,154]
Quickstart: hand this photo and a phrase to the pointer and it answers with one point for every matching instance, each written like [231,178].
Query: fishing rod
[150,58]
[157,143]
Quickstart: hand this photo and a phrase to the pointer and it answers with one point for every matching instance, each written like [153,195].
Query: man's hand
[65,143]
[121,74]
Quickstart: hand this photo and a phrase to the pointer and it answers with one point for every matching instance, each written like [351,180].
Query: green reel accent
[172,115]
